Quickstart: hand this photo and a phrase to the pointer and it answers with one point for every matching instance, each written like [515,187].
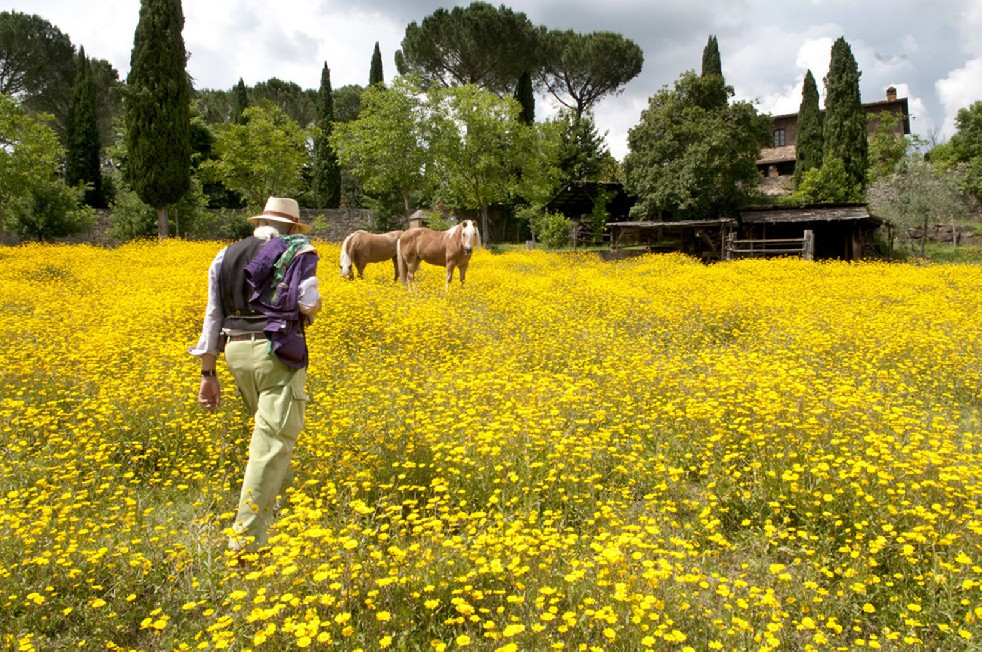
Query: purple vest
[285,323]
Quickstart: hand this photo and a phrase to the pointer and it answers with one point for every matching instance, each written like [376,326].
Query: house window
[779,138]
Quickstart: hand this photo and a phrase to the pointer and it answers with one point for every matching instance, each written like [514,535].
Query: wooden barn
[826,231]
[840,231]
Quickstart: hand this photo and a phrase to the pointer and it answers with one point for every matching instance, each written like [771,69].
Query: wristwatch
[209,373]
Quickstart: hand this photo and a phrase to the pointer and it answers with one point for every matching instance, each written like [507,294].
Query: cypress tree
[375,74]
[717,94]
[326,181]
[711,63]
[82,134]
[844,131]
[158,109]
[240,101]
[808,146]
[526,97]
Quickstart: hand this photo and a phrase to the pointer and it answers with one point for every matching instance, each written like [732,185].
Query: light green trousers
[274,393]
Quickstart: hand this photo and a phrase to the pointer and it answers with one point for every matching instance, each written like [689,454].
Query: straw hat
[282,209]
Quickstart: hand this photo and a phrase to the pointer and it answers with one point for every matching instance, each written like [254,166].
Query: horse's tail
[400,261]
[345,257]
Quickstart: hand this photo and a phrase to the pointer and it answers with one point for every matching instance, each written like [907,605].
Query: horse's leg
[395,264]
[361,264]
[463,272]
[450,266]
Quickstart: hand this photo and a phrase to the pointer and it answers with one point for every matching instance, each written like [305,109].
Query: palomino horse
[362,247]
[450,248]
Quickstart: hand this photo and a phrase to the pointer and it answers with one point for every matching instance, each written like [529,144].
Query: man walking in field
[262,293]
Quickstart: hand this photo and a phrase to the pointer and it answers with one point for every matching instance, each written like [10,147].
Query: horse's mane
[345,256]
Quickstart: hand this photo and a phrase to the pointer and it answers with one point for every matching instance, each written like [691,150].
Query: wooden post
[808,245]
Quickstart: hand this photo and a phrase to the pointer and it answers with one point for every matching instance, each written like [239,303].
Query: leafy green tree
[83,160]
[580,69]
[964,150]
[326,181]
[51,210]
[583,152]
[300,105]
[214,106]
[829,183]
[239,102]
[347,106]
[844,130]
[687,161]
[264,156]
[478,44]
[375,75]
[541,173]
[386,147]
[347,103]
[30,153]
[158,109]
[809,144]
[712,67]
[914,196]
[108,97]
[886,149]
[37,65]
[525,96]
[480,147]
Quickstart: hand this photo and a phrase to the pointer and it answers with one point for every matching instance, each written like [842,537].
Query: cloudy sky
[931,51]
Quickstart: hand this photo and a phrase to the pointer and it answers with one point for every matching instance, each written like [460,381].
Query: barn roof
[809,213]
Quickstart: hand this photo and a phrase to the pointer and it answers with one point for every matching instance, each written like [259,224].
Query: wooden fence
[771,248]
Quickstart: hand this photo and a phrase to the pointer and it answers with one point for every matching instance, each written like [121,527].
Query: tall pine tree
[712,67]
[375,73]
[844,131]
[158,109]
[82,134]
[240,102]
[808,146]
[526,97]
[326,181]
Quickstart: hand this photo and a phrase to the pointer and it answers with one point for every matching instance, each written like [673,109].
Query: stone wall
[946,234]
[333,224]
[330,224]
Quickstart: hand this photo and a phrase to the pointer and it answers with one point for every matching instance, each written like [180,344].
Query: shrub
[551,229]
[827,184]
[51,210]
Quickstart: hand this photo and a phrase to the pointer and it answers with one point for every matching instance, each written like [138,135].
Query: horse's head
[345,262]
[470,237]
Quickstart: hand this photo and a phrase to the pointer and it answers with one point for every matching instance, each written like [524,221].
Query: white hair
[265,231]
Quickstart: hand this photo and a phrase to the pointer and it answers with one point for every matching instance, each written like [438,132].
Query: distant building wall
[778,160]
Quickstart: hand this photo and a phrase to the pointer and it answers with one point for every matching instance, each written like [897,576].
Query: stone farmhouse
[776,163]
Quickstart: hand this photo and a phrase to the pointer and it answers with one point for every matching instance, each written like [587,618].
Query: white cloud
[959,89]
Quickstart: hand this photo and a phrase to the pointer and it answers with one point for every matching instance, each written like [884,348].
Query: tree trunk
[485,234]
[923,236]
[162,223]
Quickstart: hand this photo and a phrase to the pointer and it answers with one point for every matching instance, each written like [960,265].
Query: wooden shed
[840,231]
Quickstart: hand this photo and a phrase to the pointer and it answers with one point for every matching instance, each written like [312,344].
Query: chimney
[891,94]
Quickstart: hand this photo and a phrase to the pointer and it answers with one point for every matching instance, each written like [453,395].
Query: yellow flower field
[565,454]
